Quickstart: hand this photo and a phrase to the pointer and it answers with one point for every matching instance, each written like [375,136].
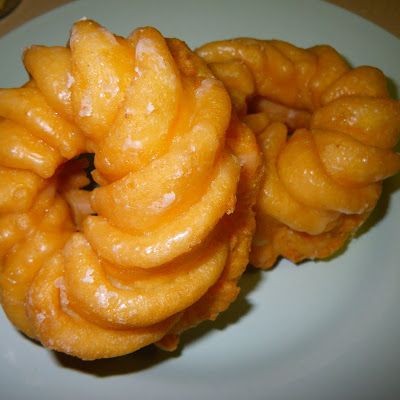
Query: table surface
[385,13]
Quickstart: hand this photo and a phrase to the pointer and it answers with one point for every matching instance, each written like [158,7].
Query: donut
[127,189]
[327,132]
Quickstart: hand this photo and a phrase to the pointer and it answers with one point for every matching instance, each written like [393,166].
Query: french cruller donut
[160,242]
[327,132]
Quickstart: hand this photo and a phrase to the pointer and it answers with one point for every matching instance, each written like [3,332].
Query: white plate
[326,330]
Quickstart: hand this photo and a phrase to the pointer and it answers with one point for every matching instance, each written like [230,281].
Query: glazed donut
[327,132]
[160,242]
[241,225]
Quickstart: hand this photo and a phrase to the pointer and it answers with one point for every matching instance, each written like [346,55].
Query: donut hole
[75,184]
[88,171]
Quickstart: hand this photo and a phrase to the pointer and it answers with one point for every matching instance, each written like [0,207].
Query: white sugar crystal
[132,144]
[103,296]
[86,107]
[147,250]
[59,284]
[204,87]
[116,247]
[166,201]
[150,107]
[138,71]
[41,317]
[70,80]
[64,95]
[129,111]
[178,173]
[145,46]
[88,276]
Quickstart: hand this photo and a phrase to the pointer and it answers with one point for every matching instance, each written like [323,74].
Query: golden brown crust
[327,132]
[151,250]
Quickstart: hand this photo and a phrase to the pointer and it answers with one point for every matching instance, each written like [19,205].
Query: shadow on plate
[392,87]
[150,356]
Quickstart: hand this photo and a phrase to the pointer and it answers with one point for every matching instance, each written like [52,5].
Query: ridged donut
[327,132]
[160,243]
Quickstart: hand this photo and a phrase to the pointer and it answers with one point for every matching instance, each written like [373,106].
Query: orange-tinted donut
[167,230]
[327,132]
